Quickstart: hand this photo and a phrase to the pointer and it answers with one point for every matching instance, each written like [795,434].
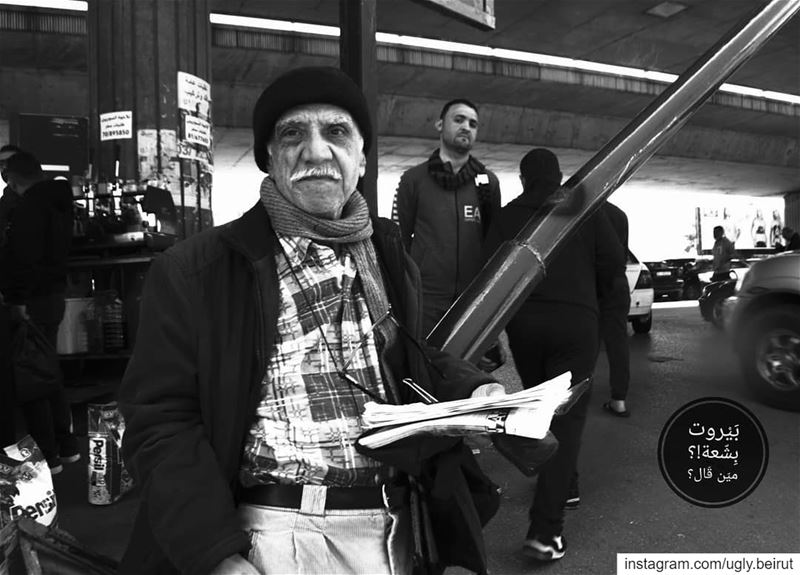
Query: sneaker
[69,451]
[545,548]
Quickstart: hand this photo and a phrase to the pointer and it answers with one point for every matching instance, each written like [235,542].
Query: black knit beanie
[540,165]
[309,85]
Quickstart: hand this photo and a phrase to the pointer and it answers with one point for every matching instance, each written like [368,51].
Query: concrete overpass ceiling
[731,145]
[608,31]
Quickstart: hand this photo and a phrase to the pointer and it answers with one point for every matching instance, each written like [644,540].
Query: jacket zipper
[458,247]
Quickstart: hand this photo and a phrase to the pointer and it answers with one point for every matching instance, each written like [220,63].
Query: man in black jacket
[259,344]
[33,270]
[556,330]
[444,207]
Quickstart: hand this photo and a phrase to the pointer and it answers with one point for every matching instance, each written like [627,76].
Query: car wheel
[691,292]
[771,358]
[716,313]
[642,324]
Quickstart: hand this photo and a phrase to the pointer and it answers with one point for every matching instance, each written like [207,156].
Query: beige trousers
[319,541]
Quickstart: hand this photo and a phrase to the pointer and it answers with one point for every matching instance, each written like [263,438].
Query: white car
[640,283]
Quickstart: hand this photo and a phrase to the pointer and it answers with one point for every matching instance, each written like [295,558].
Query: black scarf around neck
[443,172]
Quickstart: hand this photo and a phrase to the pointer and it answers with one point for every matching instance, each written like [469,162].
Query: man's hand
[235,565]
[488,389]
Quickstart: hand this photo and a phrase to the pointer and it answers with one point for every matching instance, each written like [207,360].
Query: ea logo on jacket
[472,214]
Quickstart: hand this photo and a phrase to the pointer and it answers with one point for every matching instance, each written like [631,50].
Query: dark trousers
[545,341]
[48,419]
[614,333]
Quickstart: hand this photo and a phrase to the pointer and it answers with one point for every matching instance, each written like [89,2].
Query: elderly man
[260,343]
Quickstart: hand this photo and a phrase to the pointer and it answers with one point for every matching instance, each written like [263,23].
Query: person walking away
[614,308]
[556,330]
[33,271]
[722,253]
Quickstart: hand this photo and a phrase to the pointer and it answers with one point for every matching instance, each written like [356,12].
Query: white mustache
[316,172]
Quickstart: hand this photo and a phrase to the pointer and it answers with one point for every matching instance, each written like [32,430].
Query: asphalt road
[626,505]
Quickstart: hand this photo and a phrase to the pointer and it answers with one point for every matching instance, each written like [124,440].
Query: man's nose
[316,148]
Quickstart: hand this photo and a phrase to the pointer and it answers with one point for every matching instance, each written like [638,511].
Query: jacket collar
[252,234]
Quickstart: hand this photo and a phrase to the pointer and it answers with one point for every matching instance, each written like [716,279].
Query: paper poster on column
[147,145]
[197,131]
[116,126]
[194,94]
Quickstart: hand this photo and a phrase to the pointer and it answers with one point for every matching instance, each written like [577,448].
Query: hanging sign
[116,126]
[194,94]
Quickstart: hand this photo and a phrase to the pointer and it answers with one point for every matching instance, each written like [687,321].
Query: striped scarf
[353,230]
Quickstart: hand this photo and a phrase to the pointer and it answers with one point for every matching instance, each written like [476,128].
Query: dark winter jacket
[34,257]
[192,385]
[585,265]
[444,229]
[618,299]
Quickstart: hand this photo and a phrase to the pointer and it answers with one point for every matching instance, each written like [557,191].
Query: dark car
[712,300]
[667,283]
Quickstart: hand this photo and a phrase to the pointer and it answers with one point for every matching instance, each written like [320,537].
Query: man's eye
[338,130]
[289,132]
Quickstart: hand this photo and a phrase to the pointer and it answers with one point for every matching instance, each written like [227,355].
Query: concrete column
[152,58]
[357,55]
[791,214]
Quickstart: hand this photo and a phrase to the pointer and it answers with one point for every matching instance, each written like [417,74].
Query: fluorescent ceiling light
[76,5]
[266,24]
[55,168]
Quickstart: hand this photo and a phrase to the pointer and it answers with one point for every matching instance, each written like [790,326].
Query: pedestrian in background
[722,253]
[9,199]
[614,308]
[33,280]
[444,207]
[556,330]
[792,239]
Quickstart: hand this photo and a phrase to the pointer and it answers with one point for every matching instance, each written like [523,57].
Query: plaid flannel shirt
[308,418]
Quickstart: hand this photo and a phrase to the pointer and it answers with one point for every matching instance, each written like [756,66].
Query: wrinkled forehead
[320,114]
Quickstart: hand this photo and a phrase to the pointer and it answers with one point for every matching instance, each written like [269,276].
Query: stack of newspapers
[526,413]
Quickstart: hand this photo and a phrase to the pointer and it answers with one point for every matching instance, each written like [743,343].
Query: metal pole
[489,302]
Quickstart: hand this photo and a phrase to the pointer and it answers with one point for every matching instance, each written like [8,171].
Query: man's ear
[438,125]
[362,165]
